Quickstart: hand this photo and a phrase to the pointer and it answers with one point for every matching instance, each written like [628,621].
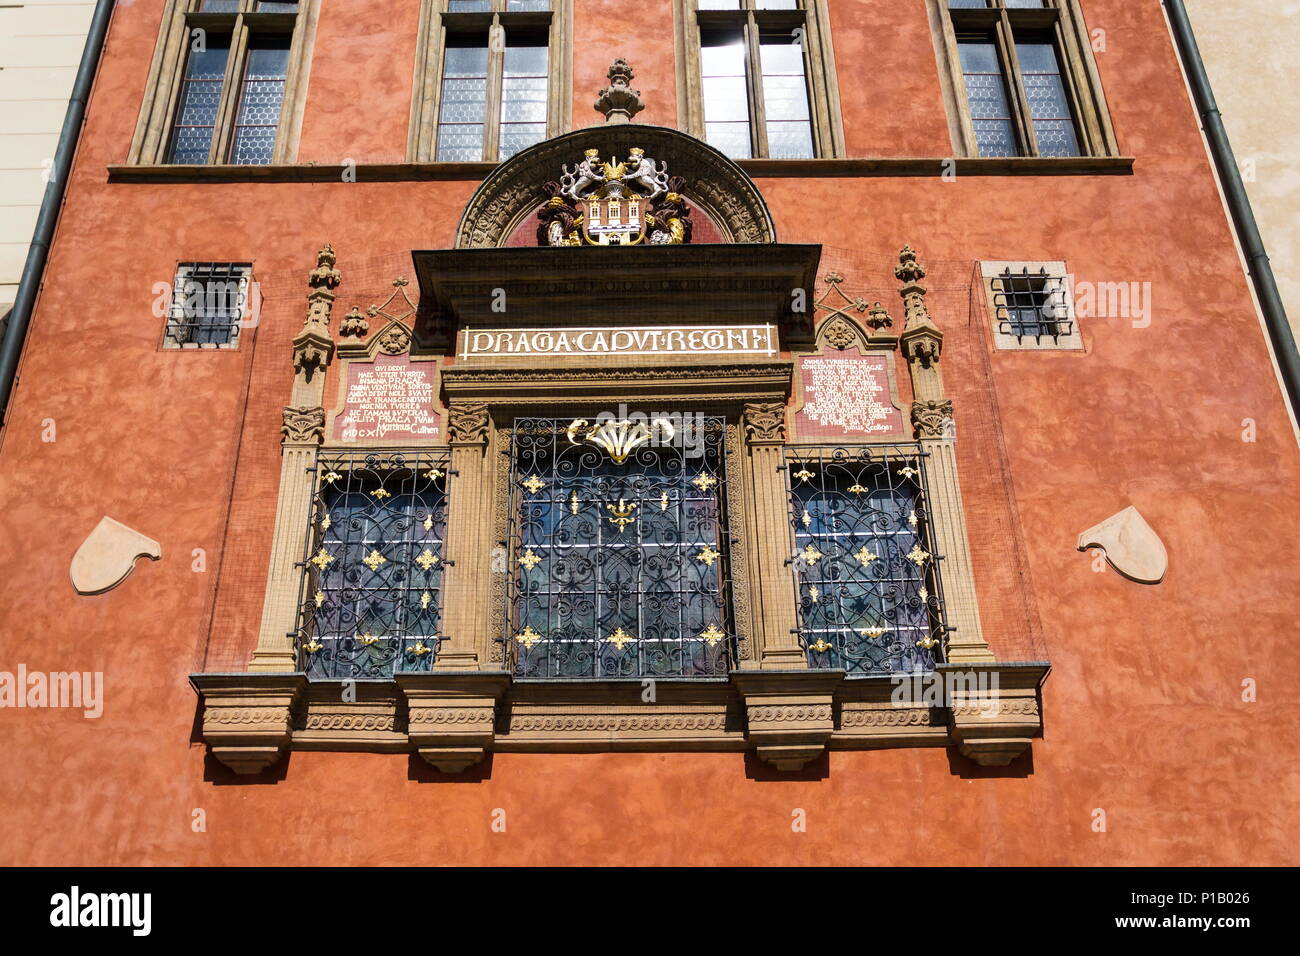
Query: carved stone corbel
[303,426]
[993,709]
[789,714]
[932,419]
[467,423]
[452,717]
[247,718]
[765,421]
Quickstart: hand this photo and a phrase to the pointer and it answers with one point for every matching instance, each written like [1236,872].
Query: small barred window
[210,302]
[1032,305]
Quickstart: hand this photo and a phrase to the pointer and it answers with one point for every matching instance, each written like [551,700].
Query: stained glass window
[1050,108]
[523,96]
[1019,98]
[726,100]
[754,91]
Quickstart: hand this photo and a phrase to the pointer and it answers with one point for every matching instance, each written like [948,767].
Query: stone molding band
[453,720]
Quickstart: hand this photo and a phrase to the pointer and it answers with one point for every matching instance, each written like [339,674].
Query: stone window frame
[992,270]
[819,66]
[152,139]
[435,23]
[171,342]
[1064,20]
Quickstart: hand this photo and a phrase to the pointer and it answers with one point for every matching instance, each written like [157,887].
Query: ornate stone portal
[466,701]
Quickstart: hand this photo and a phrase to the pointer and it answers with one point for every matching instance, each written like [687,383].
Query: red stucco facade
[1144,715]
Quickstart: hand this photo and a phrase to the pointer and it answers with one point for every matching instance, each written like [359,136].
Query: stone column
[922,345]
[302,431]
[466,608]
[777,644]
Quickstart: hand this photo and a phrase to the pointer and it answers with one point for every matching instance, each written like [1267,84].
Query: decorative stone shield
[108,555]
[1131,546]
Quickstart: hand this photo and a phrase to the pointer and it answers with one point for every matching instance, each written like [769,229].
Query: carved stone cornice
[302,426]
[993,711]
[467,423]
[990,711]
[765,422]
[932,419]
[730,383]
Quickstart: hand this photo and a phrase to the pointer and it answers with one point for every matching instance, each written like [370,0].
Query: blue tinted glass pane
[1048,103]
[200,97]
[726,98]
[986,94]
[260,98]
[463,108]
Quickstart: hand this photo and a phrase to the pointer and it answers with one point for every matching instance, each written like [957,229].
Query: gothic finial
[618,101]
[354,323]
[878,318]
[908,269]
[325,274]
[922,340]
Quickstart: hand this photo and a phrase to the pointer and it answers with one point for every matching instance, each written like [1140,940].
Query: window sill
[932,166]
[453,719]
[757,168]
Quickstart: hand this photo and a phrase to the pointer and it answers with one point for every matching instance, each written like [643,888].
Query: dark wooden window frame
[436,23]
[152,141]
[752,22]
[1062,21]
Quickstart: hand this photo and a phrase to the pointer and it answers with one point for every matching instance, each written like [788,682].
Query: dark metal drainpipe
[1261,272]
[34,269]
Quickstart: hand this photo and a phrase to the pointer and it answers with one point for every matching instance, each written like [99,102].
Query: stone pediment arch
[715,184]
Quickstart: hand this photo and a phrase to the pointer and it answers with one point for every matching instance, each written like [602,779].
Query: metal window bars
[370,601]
[867,577]
[1032,304]
[619,553]
[209,302]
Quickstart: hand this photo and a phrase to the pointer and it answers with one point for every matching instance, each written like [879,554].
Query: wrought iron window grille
[370,602]
[209,303]
[620,555]
[866,571]
[1032,305]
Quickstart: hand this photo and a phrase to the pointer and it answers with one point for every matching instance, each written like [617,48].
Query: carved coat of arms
[615,203]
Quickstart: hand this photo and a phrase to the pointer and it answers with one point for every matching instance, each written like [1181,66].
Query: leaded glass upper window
[754,90]
[620,550]
[260,98]
[495,86]
[867,574]
[229,109]
[1019,99]
[372,574]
